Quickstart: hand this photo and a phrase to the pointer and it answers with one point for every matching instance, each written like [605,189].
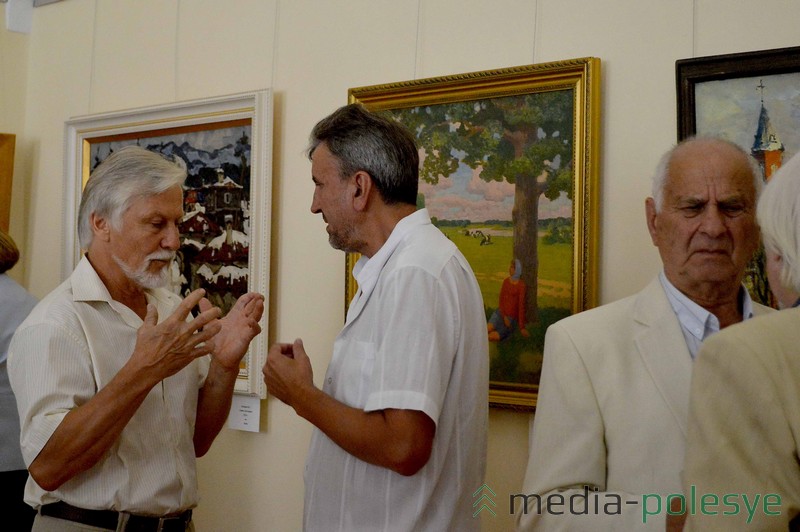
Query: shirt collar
[401,229]
[367,270]
[695,319]
[88,286]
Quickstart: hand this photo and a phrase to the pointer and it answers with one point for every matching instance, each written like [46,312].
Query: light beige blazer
[611,414]
[744,426]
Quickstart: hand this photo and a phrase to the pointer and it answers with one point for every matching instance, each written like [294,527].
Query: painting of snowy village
[215,230]
[760,114]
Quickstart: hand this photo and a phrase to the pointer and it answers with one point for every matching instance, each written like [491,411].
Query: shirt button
[330,380]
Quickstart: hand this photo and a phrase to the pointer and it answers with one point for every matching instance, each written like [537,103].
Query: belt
[109,519]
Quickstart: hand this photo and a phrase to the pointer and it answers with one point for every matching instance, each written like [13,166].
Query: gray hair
[778,214]
[128,173]
[365,141]
[662,170]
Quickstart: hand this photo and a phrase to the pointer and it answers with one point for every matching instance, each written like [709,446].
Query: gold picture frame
[225,143]
[538,124]
[7,143]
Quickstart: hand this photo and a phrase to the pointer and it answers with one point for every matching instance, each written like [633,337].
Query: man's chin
[154,274]
[712,271]
[337,243]
[347,247]
[153,277]
[152,281]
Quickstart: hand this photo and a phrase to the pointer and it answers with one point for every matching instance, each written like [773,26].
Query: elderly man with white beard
[119,388]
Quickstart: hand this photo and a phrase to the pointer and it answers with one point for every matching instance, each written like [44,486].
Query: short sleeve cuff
[404,400]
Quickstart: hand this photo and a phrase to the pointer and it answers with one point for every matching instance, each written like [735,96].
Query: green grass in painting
[517,359]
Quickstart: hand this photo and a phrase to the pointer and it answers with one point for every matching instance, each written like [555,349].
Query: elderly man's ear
[100,227]
[650,214]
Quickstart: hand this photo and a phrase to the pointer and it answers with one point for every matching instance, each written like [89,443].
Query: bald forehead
[699,147]
[711,163]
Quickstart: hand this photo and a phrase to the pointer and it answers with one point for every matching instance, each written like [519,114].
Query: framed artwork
[7,142]
[225,144]
[751,99]
[508,172]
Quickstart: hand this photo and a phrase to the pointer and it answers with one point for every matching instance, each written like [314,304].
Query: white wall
[88,56]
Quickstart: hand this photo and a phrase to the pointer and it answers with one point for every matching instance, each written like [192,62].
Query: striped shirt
[70,346]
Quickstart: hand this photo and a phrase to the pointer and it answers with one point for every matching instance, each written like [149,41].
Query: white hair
[778,214]
[128,173]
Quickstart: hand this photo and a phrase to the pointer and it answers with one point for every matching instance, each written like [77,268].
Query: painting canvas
[224,231]
[215,229]
[505,174]
[759,113]
[751,99]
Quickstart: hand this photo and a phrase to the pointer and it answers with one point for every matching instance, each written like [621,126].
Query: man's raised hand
[237,329]
[163,349]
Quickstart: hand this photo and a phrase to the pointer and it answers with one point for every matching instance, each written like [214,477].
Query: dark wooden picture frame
[751,99]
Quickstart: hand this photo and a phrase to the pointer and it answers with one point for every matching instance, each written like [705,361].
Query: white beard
[142,276]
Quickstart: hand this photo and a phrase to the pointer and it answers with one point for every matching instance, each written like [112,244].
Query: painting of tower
[767,147]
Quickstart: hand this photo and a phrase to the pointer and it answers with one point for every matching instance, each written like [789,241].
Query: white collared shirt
[415,339]
[697,323]
[70,346]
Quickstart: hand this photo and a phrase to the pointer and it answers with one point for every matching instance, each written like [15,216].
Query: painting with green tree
[506,174]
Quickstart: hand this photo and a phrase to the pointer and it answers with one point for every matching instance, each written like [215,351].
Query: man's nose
[713,222]
[172,240]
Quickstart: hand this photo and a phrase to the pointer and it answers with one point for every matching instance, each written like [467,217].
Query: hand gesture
[237,329]
[288,371]
[163,349]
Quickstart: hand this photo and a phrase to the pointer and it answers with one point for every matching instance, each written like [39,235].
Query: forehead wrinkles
[731,185]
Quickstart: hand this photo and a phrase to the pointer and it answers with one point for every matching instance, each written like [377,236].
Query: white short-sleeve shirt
[415,338]
[70,346]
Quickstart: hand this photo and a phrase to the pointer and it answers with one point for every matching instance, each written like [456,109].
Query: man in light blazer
[744,411]
[610,422]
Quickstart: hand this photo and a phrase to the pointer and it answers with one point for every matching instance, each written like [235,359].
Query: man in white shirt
[610,422]
[115,389]
[400,438]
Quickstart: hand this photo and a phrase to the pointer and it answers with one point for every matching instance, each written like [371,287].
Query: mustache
[160,255]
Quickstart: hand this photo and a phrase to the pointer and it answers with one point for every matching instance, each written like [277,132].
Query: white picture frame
[245,202]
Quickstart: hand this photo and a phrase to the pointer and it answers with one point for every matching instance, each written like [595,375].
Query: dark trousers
[14,508]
